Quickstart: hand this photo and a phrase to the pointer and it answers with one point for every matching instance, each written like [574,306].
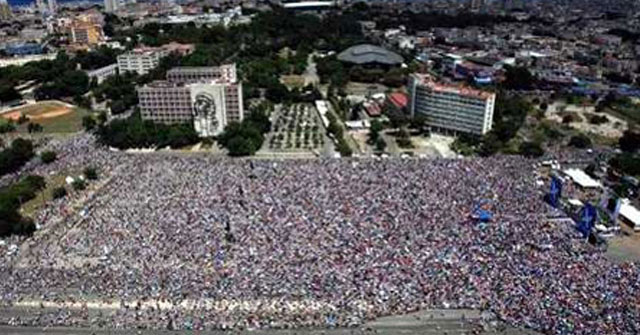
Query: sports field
[53,116]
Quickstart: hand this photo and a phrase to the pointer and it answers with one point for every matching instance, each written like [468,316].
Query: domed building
[370,56]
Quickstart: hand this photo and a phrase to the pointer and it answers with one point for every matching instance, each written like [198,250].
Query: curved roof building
[369,54]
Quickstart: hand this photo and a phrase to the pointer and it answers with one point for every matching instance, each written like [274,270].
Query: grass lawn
[66,123]
[54,117]
[630,113]
[292,80]
[32,206]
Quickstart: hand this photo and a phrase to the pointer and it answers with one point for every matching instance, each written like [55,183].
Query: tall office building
[210,97]
[5,10]
[41,6]
[53,6]
[111,6]
[86,29]
[144,59]
[141,60]
[226,73]
[451,107]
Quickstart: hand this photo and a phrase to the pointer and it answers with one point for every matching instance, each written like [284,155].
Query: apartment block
[449,107]
[207,97]
[141,60]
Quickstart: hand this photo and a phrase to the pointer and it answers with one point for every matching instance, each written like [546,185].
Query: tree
[490,145]
[598,119]
[509,116]
[374,131]
[117,107]
[404,138]
[239,146]
[91,173]
[630,141]
[580,141]
[531,149]
[6,126]
[277,92]
[22,119]
[48,156]
[626,163]
[15,156]
[59,192]
[245,138]
[101,118]
[11,198]
[88,122]
[34,128]
[518,78]
[8,93]
[78,184]
[380,144]
[567,119]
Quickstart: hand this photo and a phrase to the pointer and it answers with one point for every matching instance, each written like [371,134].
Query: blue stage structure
[555,191]
[588,217]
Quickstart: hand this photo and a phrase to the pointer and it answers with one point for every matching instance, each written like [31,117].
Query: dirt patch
[625,247]
[38,111]
[612,128]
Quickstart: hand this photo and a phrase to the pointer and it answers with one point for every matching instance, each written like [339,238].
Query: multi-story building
[225,73]
[53,6]
[102,73]
[144,59]
[86,33]
[140,60]
[5,10]
[111,6]
[210,97]
[450,107]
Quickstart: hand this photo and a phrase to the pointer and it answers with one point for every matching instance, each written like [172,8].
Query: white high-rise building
[111,6]
[5,10]
[53,6]
[451,107]
[141,60]
[40,6]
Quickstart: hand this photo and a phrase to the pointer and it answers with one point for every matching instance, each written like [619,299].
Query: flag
[588,217]
[555,192]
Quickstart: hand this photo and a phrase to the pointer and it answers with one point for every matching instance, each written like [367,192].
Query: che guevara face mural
[204,112]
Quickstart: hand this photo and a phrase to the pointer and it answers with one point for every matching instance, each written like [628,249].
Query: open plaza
[201,242]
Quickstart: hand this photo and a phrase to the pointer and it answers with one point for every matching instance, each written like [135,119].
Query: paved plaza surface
[432,322]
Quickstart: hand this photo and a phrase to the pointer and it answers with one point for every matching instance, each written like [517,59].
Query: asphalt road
[441,322]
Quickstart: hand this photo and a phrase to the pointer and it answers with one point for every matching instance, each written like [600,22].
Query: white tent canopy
[579,177]
[630,213]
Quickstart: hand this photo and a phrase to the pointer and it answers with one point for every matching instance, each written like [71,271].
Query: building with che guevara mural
[210,97]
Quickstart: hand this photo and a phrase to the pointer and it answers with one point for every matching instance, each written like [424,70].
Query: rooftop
[427,80]
[367,53]
[399,99]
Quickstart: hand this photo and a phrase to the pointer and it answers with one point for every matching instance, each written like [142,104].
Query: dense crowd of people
[195,242]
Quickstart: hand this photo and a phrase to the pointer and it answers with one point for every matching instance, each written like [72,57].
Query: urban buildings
[53,6]
[140,60]
[366,54]
[102,73]
[21,49]
[144,59]
[5,10]
[209,97]
[451,107]
[111,6]
[225,73]
[86,30]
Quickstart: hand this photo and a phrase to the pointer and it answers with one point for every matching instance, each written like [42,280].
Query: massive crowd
[197,242]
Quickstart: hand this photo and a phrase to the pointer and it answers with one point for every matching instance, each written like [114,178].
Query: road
[435,322]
